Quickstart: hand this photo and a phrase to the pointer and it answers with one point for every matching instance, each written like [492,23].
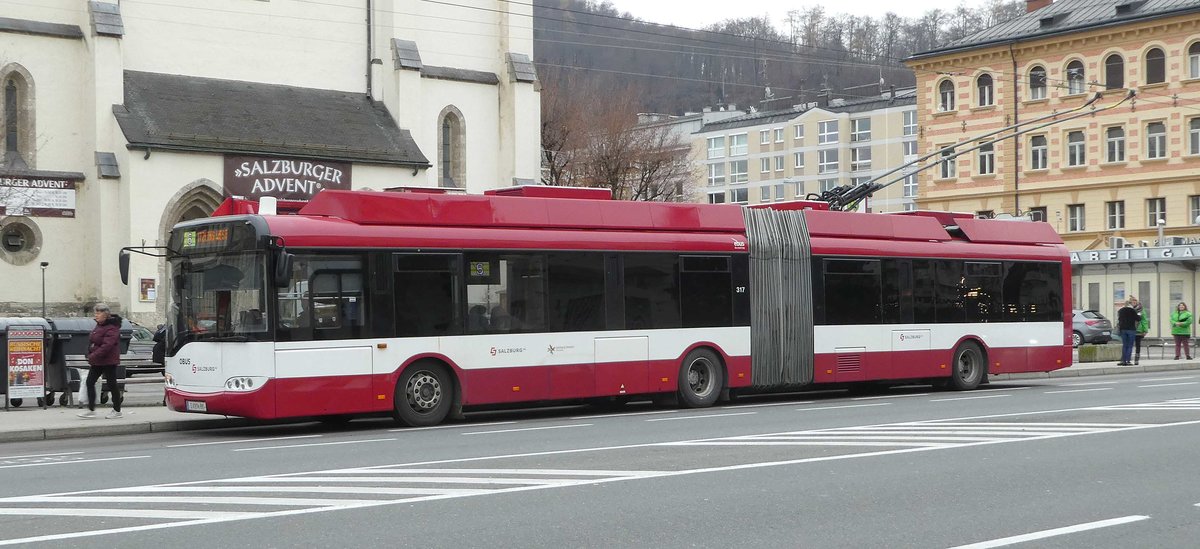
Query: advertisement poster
[36,197]
[147,289]
[26,362]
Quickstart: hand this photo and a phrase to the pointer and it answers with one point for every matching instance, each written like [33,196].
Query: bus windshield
[222,296]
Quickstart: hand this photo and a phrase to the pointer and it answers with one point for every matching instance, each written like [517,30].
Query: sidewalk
[144,412]
[143,409]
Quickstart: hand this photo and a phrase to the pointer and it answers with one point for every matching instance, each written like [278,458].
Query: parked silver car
[139,358]
[1090,327]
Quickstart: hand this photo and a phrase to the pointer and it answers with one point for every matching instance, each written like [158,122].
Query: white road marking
[966,398]
[73,462]
[125,513]
[413,479]
[440,427]
[1073,425]
[892,396]
[552,472]
[1168,384]
[1089,384]
[1080,390]
[619,414]
[1176,404]
[1053,532]
[703,417]
[740,406]
[230,500]
[42,455]
[310,445]
[913,434]
[241,441]
[840,407]
[921,445]
[449,495]
[982,427]
[1177,378]
[527,429]
[297,489]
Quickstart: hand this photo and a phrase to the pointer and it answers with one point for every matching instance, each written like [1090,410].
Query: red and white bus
[422,304]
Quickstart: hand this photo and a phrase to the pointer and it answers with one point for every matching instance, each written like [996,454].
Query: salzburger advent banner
[36,196]
[254,177]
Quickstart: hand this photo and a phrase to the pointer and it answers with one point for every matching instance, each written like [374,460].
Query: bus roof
[345,217]
[458,210]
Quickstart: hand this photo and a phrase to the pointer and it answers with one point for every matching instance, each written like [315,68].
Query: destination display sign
[214,237]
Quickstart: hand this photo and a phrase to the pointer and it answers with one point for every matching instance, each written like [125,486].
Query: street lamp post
[44,265]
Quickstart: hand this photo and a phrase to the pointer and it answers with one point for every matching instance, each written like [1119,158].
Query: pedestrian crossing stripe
[918,434]
[1176,404]
[241,498]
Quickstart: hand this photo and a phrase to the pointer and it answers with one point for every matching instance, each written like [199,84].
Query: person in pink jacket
[104,355]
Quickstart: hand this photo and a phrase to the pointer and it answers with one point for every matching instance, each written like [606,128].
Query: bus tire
[424,395]
[970,366]
[701,379]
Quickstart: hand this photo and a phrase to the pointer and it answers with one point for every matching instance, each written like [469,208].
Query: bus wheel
[700,379]
[424,395]
[969,367]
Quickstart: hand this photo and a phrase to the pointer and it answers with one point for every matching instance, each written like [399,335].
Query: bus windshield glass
[222,296]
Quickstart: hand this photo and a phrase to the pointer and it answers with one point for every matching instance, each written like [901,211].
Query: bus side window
[337,304]
[324,300]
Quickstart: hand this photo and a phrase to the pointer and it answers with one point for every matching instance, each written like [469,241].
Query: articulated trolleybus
[423,304]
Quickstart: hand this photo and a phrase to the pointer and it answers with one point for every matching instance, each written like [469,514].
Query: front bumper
[256,404]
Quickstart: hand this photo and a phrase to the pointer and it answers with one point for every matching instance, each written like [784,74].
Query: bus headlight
[169,380]
[244,383]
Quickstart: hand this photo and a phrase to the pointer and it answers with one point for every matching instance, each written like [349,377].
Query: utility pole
[44,265]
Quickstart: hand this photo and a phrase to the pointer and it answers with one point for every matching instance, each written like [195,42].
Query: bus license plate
[197,406]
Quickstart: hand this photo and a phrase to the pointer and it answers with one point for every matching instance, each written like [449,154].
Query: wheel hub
[424,391]
[698,377]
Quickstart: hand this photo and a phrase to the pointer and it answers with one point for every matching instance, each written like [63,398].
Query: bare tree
[598,142]
[562,127]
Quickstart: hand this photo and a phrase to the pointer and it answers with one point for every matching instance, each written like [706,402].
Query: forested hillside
[587,47]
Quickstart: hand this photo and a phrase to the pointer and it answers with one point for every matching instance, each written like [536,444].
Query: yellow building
[782,155]
[1119,178]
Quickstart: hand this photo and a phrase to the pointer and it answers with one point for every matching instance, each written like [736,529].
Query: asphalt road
[1095,462]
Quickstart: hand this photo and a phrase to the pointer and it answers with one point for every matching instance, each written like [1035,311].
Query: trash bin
[71,335]
[47,346]
[58,377]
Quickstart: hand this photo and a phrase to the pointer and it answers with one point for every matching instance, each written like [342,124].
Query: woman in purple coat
[104,355]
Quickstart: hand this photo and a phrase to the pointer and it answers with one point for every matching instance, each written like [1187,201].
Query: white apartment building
[121,119]
[782,155]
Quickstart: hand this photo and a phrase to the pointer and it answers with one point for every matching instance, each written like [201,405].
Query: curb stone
[1104,370]
[143,427]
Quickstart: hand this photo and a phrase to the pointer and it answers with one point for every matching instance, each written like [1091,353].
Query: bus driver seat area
[251,319]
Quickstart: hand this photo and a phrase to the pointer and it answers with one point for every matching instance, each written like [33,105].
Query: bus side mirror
[123,261]
[283,269]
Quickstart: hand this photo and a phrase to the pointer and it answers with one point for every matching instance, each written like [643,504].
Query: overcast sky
[699,13]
